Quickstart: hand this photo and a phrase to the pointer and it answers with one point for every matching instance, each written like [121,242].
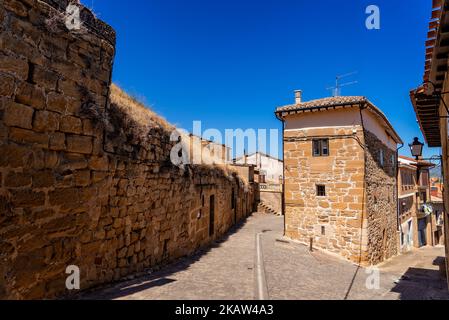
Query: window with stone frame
[320,147]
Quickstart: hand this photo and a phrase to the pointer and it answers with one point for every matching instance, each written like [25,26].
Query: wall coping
[88,19]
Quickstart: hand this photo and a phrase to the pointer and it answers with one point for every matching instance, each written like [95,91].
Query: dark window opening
[381,157]
[423,197]
[320,147]
[233,199]
[320,191]
[323,230]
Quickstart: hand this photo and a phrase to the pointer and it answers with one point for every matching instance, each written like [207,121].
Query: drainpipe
[283,168]
[399,227]
[364,207]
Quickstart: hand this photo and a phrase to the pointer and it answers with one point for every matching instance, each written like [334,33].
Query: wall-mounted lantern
[416,148]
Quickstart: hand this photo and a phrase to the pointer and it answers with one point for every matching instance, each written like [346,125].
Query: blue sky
[231,63]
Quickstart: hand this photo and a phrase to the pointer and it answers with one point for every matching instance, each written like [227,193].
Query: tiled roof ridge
[324,102]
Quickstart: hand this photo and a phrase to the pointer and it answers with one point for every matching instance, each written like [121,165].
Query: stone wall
[381,190]
[81,181]
[444,132]
[357,219]
[272,199]
[334,222]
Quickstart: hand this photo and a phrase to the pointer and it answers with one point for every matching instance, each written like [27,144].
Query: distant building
[437,220]
[417,212]
[270,168]
[202,151]
[340,177]
[436,187]
[269,177]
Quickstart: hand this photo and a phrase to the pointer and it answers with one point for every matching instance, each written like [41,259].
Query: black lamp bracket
[432,158]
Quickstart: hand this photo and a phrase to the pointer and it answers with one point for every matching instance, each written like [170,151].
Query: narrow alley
[229,270]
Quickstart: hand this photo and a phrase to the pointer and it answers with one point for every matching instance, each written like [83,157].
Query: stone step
[263,207]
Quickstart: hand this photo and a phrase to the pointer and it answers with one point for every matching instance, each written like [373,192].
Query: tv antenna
[336,91]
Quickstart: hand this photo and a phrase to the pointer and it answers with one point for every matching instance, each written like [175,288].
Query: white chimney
[298,96]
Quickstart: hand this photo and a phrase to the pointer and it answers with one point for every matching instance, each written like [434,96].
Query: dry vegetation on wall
[136,123]
[140,113]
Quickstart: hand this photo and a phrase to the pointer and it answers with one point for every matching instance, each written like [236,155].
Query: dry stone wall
[77,185]
[357,218]
[381,190]
[334,221]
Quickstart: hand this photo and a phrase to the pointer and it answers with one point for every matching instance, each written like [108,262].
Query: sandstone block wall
[78,185]
[382,195]
[335,221]
[357,219]
[272,199]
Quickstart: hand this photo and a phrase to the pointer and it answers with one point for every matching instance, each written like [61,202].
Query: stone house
[437,220]
[430,100]
[270,168]
[269,174]
[436,187]
[417,225]
[203,151]
[340,156]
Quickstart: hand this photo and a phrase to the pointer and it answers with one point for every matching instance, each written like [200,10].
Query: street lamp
[416,148]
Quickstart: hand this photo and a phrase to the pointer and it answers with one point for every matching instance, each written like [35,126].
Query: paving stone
[226,271]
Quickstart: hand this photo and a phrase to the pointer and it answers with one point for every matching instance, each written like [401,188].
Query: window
[320,191]
[407,178]
[323,230]
[320,147]
[381,157]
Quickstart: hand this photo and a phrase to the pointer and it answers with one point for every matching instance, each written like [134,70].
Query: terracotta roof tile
[325,102]
[343,101]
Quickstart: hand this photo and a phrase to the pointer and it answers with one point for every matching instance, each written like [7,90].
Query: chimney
[298,96]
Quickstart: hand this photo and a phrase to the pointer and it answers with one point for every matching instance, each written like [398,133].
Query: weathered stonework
[340,213]
[76,187]
[356,218]
[381,191]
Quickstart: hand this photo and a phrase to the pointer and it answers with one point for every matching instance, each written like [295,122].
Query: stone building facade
[418,215]
[269,172]
[430,106]
[85,171]
[340,177]
[270,168]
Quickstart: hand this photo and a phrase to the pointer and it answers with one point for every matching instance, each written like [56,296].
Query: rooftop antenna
[336,91]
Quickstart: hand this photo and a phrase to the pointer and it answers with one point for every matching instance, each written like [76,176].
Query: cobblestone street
[228,270]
